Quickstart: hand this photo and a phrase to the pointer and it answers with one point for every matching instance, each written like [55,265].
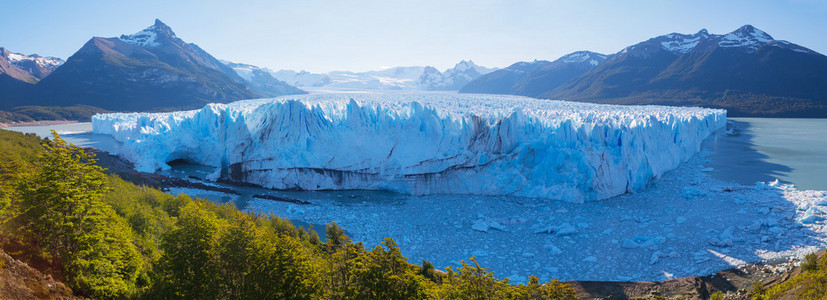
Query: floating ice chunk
[700,256]
[680,220]
[767,185]
[690,192]
[480,225]
[654,258]
[629,244]
[565,229]
[495,225]
[590,259]
[484,224]
[293,209]
[642,242]
[811,216]
[646,241]
[721,242]
[811,219]
[727,238]
[553,250]
[559,230]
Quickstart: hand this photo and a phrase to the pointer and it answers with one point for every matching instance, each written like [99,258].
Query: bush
[810,262]
[757,290]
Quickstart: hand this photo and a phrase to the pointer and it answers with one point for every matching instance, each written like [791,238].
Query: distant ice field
[422,143]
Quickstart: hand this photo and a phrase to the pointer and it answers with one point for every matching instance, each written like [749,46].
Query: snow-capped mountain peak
[464,65]
[452,79]
[29,68]
[18,59]
[149,37]
[682,43]
[583,56]
[746,36]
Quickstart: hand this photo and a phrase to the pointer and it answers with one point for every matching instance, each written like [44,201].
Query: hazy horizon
[371,35]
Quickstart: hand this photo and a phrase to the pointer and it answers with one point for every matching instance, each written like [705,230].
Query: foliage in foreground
[810,284]
[113,239]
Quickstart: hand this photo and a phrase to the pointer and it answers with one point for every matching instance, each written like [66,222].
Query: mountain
[502,81]
[558,72]
[262,81]
[301,78]
[537,77]
[27,68]
[746,71]
[410,78]
[152,69]
[397,78]
[19,73]
[452,79]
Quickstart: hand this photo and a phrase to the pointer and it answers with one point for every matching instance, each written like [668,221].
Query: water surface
[764,149]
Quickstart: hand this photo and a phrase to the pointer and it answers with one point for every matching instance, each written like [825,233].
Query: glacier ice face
[422,143]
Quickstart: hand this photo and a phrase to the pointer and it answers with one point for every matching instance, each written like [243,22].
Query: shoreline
[38,123]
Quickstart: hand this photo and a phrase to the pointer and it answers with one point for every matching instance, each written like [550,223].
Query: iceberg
[422,143]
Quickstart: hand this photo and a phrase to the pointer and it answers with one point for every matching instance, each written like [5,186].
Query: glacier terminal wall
[421,143]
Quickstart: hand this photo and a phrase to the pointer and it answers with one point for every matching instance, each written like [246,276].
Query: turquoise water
[79,134]
[790,150]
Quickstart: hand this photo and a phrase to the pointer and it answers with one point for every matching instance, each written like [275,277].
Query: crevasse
[422,143]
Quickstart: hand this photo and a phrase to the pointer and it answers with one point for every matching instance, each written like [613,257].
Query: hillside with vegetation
[32,113]
[107,238]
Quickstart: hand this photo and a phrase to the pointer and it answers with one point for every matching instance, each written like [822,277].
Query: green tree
[238,258]
[386,274]
[286,270]
[336,237]
[61,201]
[475,282]
[187,268]
[553,289]
[11,169]
[427,270]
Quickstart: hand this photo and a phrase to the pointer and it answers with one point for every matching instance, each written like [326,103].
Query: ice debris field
[422,144]
[672,218]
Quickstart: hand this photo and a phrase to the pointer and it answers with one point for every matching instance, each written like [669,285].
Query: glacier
[422,143]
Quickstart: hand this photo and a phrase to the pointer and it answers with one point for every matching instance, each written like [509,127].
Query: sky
[323,36]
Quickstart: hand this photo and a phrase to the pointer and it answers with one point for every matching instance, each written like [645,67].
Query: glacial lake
[764,149]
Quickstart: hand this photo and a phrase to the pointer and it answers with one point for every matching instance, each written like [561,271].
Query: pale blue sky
[322,36]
